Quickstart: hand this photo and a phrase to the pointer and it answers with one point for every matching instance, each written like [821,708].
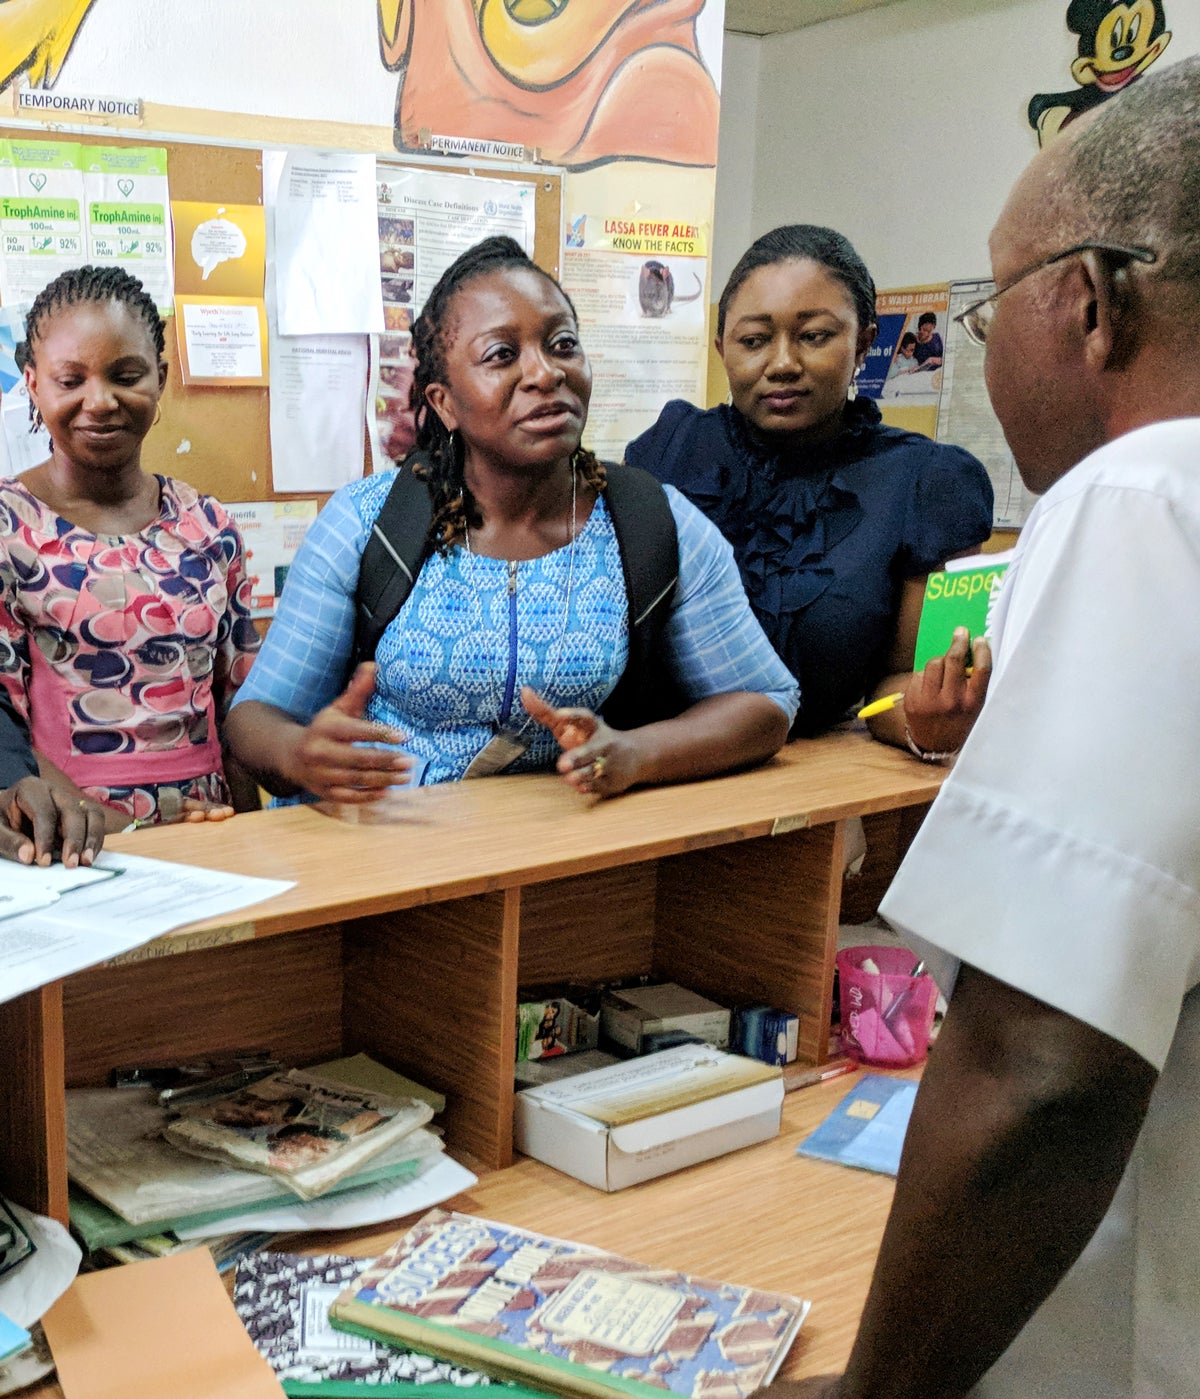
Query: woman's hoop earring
[157,415]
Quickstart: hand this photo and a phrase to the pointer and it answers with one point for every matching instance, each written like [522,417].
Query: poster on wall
[42,200]
[222,341]
[639,282]
[903,369]
[272,531]
[425,220]
[965,415]
[128,220]
[220,249]
[63,204]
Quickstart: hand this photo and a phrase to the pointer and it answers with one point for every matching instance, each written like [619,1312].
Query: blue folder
[867,1127]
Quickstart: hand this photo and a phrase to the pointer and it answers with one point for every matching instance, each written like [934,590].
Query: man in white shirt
[1045,1235]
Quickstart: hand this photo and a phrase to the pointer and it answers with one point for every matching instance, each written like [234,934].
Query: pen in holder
[887,1004]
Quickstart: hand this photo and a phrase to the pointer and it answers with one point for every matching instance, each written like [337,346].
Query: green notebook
[962,595]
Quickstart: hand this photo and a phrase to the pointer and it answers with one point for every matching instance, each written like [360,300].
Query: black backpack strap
[392,558]
[645,529]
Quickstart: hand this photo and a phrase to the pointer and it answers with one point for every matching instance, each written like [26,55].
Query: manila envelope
[145,1330]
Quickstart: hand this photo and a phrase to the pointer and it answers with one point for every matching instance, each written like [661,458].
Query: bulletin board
[218,439]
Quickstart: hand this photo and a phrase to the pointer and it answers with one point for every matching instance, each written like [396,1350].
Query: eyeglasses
[977,318]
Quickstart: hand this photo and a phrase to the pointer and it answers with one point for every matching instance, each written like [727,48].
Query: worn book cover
[283,1300]
[962,595]
[577,1320]
[305,1131]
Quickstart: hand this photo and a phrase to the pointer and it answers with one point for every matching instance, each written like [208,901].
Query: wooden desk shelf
[409,939]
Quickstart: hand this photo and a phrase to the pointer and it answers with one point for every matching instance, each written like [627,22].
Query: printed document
[91,924]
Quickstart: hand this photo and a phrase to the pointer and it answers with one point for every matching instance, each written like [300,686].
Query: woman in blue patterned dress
[517,629]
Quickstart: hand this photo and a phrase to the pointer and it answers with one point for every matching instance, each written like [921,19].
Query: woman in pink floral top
[124,619]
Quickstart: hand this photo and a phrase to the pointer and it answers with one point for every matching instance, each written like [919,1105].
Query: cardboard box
[627,1017]
[614,1127]
[764,1033]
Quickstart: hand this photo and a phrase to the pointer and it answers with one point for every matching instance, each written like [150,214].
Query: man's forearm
[1019,1137]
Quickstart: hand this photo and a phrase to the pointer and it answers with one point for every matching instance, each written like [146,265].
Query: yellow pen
[880,706]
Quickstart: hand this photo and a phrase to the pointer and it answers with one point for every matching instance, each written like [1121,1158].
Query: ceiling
[778,16]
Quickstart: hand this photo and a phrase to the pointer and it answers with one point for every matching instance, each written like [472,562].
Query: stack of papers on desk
[92,916]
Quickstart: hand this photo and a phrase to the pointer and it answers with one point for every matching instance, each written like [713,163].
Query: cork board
[218,439]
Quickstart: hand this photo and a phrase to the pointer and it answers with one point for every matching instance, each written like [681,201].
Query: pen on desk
[880,706]
[818,1075]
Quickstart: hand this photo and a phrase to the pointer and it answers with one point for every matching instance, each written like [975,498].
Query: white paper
[223,342]
[30,1289]
[26,887]
[318,389]
[90,925]
[318,386]
[326,242]
[439,1180]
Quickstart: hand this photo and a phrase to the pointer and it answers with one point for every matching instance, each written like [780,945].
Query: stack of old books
[305,1149]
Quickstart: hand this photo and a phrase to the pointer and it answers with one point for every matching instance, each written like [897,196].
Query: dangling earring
[35,418]
[157,414]
[852,388]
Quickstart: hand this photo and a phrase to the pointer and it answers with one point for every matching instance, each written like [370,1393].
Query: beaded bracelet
[923,753]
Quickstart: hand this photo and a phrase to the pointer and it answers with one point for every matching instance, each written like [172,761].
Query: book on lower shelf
[127,1181]
[304,1131]
[283,1300]
[563,1316]
[963,594]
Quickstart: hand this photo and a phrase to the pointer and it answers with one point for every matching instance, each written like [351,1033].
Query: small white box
[628,1016]
[630,1122]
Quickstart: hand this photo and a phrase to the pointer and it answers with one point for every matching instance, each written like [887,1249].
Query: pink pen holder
[886,1015]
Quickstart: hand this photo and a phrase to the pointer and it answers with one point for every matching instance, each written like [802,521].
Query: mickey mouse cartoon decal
[1118,41]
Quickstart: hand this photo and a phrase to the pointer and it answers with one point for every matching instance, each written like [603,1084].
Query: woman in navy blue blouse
[835,519]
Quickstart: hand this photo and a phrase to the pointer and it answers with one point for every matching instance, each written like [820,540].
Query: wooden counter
[408,939]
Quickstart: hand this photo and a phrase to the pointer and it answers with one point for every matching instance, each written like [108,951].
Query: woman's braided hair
[92,284]
[453,508]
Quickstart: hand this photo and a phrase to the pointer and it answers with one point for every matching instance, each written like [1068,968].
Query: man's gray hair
[1133,172]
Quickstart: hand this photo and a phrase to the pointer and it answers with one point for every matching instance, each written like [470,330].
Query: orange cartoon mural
[581,81]
[35,36]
